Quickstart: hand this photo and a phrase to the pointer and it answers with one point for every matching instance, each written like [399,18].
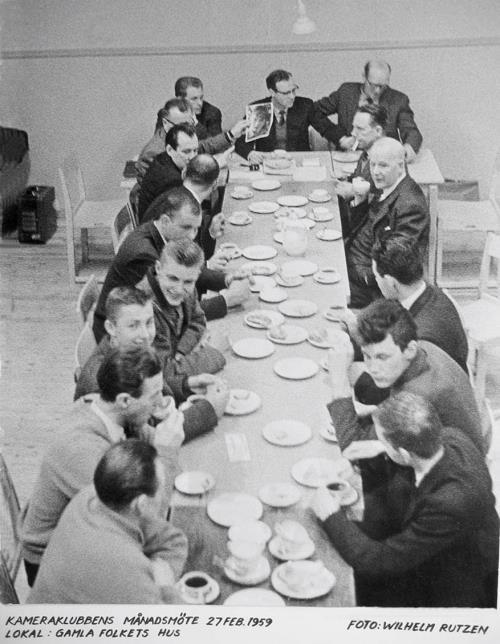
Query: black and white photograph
[249,365]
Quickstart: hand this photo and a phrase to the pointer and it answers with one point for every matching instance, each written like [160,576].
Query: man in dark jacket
[432,540]
[191,88]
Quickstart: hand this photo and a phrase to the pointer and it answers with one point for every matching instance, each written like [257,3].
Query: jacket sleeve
[164,541]
[347,425]
[410,220]
[214,307]
[154,146]
[322,110]
[195,329]
[214,144]
[242,147]
[199,419]
[214,121]
[407,127]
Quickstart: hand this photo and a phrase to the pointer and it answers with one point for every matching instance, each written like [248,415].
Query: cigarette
[355,146]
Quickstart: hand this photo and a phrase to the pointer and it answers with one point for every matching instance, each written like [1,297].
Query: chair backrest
[8,593]
[87,298]
[84,348]
[316,141]
[121,227]
[73,187]
[495,184]
[491,255]
[10,545]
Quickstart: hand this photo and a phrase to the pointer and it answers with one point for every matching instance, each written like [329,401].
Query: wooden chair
[121,227]
[10,545]
[469,217]
[82,214]
[87,298]
[482,317]
[84,348]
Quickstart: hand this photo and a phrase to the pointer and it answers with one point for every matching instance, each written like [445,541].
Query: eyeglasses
[376,85]
[289,93]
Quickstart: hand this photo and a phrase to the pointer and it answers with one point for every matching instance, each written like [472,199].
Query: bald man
[374,90]
[398,210]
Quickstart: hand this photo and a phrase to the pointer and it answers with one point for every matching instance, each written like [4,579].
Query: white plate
[234,507]
[279,495]
[327,431]
[242,195]
[195,482]
[292,213]
[253,348]
[261,282]
[322,342]
[289,282]
[301,266]
[321,214]
[328,234]
[292,334]
[257,576]
[287,432]
[327,276]
[296,368]
[242,402]
[292,201]
[272,318]
[263,207]
[260,268]
[316,199]
[298,308]
[313,472]
[332,313]
[316,582]
[259,252]
[266,184]
[213,591]
[273,295]
[240,219]
[257,531]
[305,551]
[254,597]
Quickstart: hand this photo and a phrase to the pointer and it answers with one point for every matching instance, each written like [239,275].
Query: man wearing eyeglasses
[374,90]
[292,116]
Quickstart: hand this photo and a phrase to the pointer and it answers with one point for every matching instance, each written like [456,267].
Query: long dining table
[236,452]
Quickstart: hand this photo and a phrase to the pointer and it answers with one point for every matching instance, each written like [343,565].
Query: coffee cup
[164,408]
[338,488]
[196,586]
[244,557]
[320,193]
[292,536]
[240,190]
[280,154]
[360,186]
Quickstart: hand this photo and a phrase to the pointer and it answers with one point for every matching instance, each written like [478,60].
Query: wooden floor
[38,330]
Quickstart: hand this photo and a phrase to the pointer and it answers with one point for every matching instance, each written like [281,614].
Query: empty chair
[87,298]
[10,545]
[467,217]
[85,345]
[82,214]
[122,226]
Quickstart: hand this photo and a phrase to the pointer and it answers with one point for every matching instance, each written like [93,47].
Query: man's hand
[164,408]
[162,572]
[410,153]
[345,190]
[217,225]
[255,157]
[217,262]
[363,449]
[324,504]
[218,396]
[239,274]
[170,432]
[222,158]
[340,359]
[237,292]
[347,318]
[198,384]
[346,142]
[238,128]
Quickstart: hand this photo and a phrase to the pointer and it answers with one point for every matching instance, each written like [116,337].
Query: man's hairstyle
[382,318]
[125,370]
[184,251]
[123,296]
[126,470]
[182,83]
[202,171]
[411,422]
[170,203]
[401,259]
[275,77]
[378,114]
[172,136]
[369,63]
[181,104]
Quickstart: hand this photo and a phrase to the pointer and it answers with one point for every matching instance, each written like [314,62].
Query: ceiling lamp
[303,25]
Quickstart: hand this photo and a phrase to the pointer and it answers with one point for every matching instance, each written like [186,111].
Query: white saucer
[316,199]
[305,551]
[293,334]
[257,576]
[328,234]
[242,402]
[254,597]
[272,318]
[240,220]
[292,201]
[290,282]
[319,583]
[323,343]
[231,508]
[259,251]
[279,495]
[327,431]
[321,214]
[287,432]
[317,471]
[242,195]
[261,282]
[327,275]
[296,368]
[302,266]
[266,184]
[273,295]
[194,482]
[298,308]
[263,207]
[257,531]
[213,593]
[332,314]
[260,268]
[253,348]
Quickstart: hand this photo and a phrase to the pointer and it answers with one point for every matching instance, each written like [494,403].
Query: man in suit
[292,116]
[191,89]
[374,90]
[436,545]
[399,209]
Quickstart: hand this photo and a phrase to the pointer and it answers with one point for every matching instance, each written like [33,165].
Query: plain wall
[89,75]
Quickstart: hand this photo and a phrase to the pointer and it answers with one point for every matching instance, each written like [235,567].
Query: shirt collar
[419,476]
[387,191]
[115,431]
[409,301]
[193,193]
[157,226]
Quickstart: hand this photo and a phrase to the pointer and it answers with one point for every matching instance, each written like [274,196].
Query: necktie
[281,117]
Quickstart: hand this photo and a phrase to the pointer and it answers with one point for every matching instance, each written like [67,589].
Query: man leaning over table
[374,90]
[436,545]
[112,544]
[292,116]
[130,323]
[130,393]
